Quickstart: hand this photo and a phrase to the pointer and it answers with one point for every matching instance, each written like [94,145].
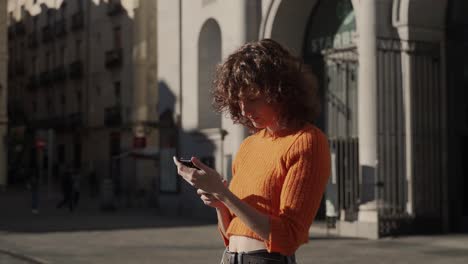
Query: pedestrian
[281,170]
[67,189]
[93,183]
[34,183]
[76,180]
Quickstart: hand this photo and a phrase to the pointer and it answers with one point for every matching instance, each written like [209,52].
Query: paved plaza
[131,235]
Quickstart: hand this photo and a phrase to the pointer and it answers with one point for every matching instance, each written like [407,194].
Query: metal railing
[346,162]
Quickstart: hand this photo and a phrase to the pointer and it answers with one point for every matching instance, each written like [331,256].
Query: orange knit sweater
[283,177]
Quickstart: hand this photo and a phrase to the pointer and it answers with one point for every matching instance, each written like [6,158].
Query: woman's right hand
[209,199]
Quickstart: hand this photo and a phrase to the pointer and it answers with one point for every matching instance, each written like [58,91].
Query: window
[79,4]
[49,16]
[23,12]
[63,99]
[35,23]
[63,9]
[50,108]
[62,55]
[52,59]
[33,65]
[22,54]
[77,49]
[117,93]
[47,61]
[117,37]
[63,102]
[61,153]
[79,99]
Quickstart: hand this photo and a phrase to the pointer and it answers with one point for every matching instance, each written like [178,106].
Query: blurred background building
[393,78]
[3,94]
[83,89]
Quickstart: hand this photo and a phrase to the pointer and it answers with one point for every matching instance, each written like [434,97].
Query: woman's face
[259,112]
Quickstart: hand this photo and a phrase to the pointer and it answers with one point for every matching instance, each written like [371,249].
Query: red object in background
[40,143]
[139,142]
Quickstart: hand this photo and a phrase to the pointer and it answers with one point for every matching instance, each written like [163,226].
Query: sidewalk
[142,236]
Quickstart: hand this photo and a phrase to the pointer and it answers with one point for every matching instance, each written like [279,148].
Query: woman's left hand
[204,178]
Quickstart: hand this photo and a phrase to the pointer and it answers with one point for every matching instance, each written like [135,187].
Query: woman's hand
[209,199]
[205,178]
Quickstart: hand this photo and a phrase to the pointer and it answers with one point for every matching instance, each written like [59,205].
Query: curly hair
[265,68]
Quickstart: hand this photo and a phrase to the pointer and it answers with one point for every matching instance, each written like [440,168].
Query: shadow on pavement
[16,216]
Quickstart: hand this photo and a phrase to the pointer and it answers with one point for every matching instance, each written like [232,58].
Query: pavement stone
[142,235]
[8,258]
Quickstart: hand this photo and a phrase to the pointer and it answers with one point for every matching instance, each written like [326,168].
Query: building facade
[84,86]
[3,93]
[392,79]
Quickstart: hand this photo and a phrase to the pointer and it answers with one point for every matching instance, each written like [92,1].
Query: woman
[280,172]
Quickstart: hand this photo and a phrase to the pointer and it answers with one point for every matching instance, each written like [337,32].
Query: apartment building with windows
[3,94]
[84,84]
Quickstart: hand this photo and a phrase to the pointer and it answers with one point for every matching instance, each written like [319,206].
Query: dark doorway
[457,114]
[331,53]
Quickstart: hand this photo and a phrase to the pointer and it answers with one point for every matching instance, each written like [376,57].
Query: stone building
[3,94]
[393,81]
[84,84]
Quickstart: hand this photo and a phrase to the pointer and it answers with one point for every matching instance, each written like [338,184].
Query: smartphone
[187,162]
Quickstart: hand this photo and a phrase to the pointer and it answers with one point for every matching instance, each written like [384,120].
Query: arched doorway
[457,116]
[331,52]
[209,54]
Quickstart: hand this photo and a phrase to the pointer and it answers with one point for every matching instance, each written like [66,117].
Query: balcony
[47,34]
[75,70]
[77,21]
[32,40]
[45,78]
[60,28]
[114,58]
[113,116]
[59,74]
[33,83]
[114,8]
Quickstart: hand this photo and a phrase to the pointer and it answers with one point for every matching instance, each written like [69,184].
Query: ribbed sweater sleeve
[308,168]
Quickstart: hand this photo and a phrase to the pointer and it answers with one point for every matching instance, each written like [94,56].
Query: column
[367,107]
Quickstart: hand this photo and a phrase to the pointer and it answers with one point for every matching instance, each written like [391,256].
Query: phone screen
[188,163]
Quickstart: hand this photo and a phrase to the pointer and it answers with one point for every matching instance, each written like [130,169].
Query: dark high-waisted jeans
[256,257]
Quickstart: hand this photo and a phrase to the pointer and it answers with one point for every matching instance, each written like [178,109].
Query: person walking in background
[67,189]
[281,170]
[34,183]
[93,183]
[76,181]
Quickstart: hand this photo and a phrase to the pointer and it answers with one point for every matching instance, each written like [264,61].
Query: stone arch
[209,55]
[279,25]
[420,25]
